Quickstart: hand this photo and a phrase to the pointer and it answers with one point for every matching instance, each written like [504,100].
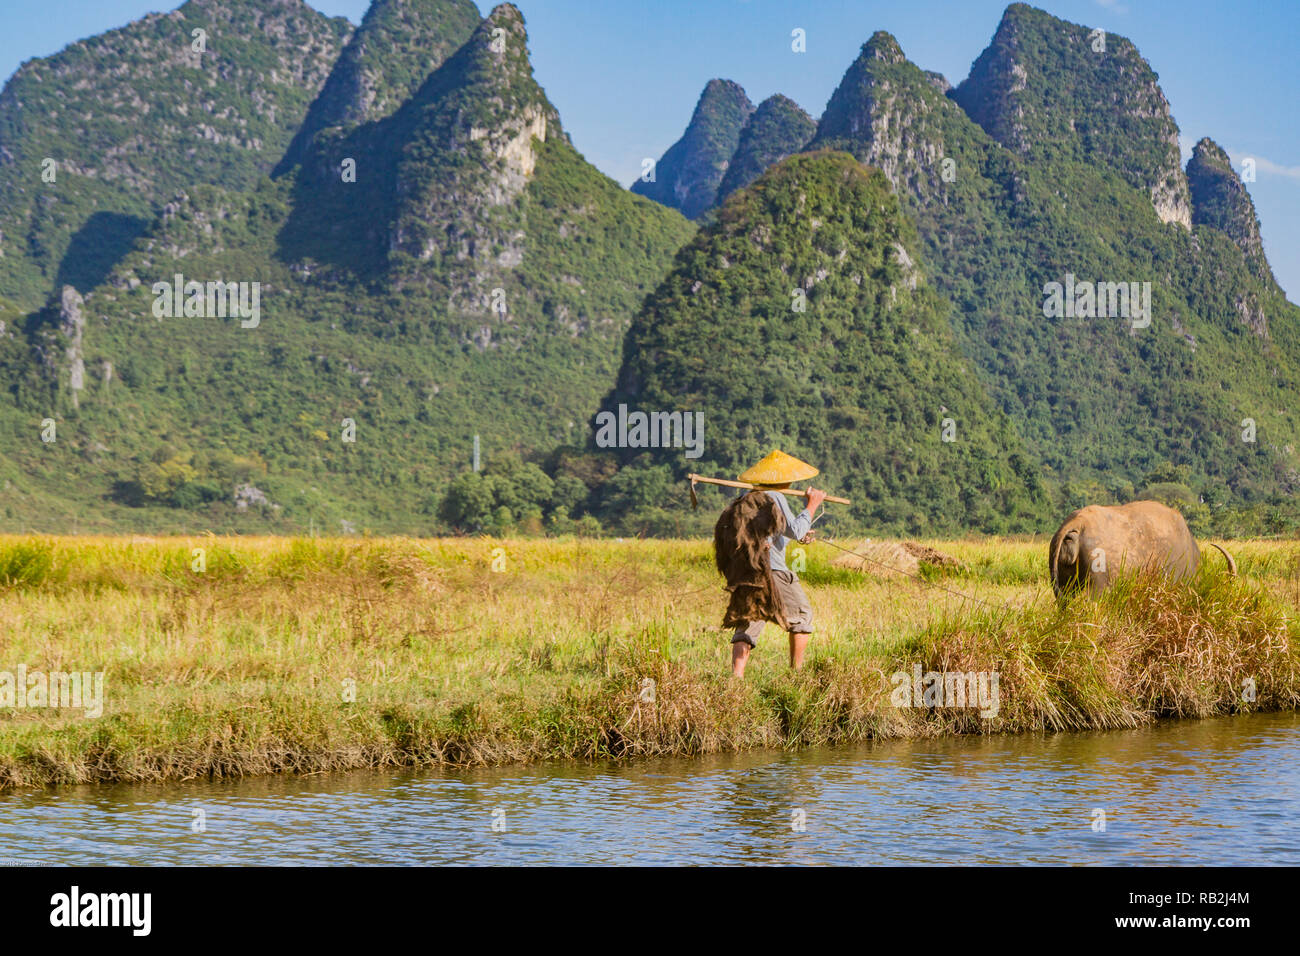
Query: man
[781,598]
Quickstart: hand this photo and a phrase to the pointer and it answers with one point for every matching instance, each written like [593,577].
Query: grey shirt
[795,528]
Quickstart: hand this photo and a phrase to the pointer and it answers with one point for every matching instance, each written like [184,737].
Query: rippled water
[1218,792]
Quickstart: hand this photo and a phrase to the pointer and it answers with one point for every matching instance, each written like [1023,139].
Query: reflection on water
[1221,791]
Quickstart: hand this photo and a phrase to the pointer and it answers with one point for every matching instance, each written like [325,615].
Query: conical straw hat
[778,468]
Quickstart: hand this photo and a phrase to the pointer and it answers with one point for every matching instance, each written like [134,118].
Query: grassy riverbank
[245,667]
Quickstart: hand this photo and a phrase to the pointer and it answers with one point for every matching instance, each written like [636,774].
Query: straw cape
[778,468]
[740,551]
[741,538]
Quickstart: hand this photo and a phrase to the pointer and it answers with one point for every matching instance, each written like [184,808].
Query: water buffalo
[1095,542]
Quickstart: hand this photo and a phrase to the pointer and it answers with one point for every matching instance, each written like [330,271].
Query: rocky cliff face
[467,143]
[59,347]
[72,325]
[1221,201]
[893,116]
[688,175]
[1047,87]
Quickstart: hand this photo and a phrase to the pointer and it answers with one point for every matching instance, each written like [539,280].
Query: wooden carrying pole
[793,493]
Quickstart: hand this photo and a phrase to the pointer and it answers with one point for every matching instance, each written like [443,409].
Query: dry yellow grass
[244,667]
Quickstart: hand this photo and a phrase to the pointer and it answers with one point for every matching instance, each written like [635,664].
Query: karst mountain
[937,292]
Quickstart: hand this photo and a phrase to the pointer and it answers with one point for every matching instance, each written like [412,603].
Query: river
[1222,791]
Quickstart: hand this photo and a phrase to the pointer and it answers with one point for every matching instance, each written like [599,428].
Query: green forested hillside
[130,117]
[180,420]
[1105,407]
[776,129]
[801,320]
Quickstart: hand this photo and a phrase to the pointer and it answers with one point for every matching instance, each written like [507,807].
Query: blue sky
[625,75]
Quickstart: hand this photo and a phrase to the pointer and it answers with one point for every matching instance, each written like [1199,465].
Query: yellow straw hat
[778,468]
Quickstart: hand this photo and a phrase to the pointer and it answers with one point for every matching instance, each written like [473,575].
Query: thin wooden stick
[744,484]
